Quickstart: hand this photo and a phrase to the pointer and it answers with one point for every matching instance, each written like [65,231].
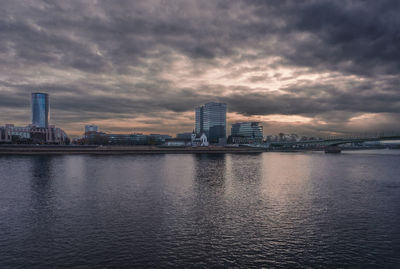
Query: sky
[308,67]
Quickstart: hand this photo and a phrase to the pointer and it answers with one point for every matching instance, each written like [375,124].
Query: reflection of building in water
[43,217]
[42,181]
[209,195]
[246,168]
[210,171]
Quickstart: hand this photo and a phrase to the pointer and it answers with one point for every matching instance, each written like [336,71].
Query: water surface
[230,210]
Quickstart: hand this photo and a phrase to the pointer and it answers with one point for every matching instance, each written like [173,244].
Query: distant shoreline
[119,150]
[126,150]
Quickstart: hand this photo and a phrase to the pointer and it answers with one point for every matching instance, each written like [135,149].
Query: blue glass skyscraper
[40,109]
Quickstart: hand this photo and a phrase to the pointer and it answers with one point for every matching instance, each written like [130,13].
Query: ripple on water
[257,210]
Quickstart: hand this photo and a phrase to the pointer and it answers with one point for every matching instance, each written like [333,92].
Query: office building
[119,139]
[32,134]
[158,139]
[90,128]
[211,119]
[199,119]
[40,110]
[39,132]
[184,135]
[246,133]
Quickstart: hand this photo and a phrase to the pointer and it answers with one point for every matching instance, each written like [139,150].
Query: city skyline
[315,68]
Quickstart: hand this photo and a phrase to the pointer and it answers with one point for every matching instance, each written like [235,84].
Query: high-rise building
[39,132]
[199,119]
[40,109]
[211,119]
[247,132]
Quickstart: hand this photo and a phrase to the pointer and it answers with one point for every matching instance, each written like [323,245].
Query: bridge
[331,145]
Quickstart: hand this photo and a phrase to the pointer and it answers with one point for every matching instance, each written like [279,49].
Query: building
[94,138]
[246,133]
[199,140]
[127,139]
[118,139]
[40,109]
[139,139]
[195,140]
[158,139]
[32,134]
[184,135]
[13,134]
[49,135]
[214,121]
[178,142]
[211,119]
[39,132]
[199,119]
[90,128]
[100,138]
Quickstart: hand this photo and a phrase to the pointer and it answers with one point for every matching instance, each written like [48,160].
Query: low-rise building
[178,142]
[199,140]
[139,139]
[184,135]
[91,128]
[158,139]
[246,133]
[32,134]
[195,140]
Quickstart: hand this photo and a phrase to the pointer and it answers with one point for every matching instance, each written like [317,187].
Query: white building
[199,140]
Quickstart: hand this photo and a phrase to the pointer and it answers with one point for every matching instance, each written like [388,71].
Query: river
[273,210]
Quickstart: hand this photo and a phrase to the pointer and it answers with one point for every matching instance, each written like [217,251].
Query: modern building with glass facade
[199,119]
[40,109]
[211,119]
[246,132]
[39,132]
[91,128]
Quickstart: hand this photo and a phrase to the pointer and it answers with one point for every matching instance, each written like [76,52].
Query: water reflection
[246,173]
[233,210]
[209,175]
[42,188]
[76,167]
[43,199]
[208,196]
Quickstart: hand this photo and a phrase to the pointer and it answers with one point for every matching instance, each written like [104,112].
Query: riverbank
[116,150]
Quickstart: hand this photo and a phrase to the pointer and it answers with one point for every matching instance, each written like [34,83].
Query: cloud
[131,62]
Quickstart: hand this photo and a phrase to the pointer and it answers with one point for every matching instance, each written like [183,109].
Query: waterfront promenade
[114,150]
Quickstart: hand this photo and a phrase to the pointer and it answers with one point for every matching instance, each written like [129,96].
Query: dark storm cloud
[126,59]
[360,37]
